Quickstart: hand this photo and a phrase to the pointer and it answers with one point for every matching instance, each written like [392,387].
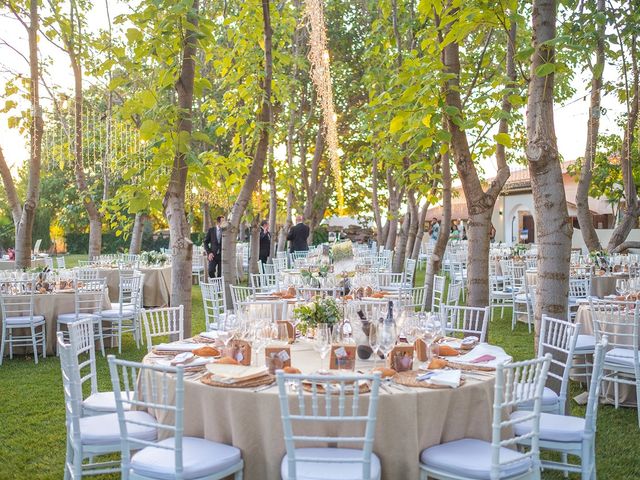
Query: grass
[32,431]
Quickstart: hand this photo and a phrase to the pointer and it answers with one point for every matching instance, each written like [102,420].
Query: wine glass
[622,286]
[374,340]
[322,343]
[388,336]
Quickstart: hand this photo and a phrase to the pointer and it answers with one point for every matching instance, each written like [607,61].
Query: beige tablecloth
[51,305]
[604,285]
[11,264]
[408,422]
[627,393]
[156,289]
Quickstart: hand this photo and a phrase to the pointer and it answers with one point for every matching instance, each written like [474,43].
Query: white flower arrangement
[154,259]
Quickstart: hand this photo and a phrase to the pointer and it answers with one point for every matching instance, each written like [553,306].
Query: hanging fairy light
[321,78]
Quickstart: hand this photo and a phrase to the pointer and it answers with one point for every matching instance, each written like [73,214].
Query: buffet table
[409,419]
[156,289]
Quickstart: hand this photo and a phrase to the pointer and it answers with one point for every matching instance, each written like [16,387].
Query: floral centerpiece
[313,276]
[342,257]
[518,251]
[600,258]
[154,259]
[320,310]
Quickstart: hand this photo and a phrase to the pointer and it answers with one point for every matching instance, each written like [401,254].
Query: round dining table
[156,288]
[408,419]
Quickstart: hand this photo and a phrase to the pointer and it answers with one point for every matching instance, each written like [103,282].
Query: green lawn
[32,432]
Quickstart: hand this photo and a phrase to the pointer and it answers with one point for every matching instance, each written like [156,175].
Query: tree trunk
[395,197]
[401,247]
[135,246]
[435,260]
[24,216]
[174,200]
[273,203]
[585,220]
[375,203]
[254,245]
[420,234]
[632,209]
[413,229]
[552,220]
[480,204]
[314,183]
[207,220]
[230,228]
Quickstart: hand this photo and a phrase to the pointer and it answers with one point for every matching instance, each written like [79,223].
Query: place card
[342,357]
[421,350]
[278,357]
[401,358]
[240,351]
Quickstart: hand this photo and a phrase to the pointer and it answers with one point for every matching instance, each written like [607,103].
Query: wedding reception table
[627,393]
[50,305]
[11,264]
[156,289]
[409,419]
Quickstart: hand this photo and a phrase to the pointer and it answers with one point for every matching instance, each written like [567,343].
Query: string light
[321,77]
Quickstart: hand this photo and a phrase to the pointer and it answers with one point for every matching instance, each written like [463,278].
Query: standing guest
[435,228]
[298,236]
[265,242]
[213,247]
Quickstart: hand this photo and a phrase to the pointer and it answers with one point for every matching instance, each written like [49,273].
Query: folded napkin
[484,355]
[445,378]
[182,358]
[195,362]
[177,347]
[213,334]
[223,373]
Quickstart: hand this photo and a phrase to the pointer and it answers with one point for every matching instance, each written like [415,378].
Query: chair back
[618,321]
[61,262]
[17,298]
[390,280]
[280,263]
[414,298]
[72,388]
[591,413]
[579,287]
[453,293]
[334,400]
[36,247]
[214,302]
[81,337]
[518,277]
[85,273]
[437,295]
[517,384]
[162,322]
[410,270]
[48,261]
[267,268]
[263,282]
[558,337]
[130,293]
[466,321]
[89,296]
[159,390]
[239,294]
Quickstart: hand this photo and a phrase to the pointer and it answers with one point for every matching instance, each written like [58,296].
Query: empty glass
[322,343]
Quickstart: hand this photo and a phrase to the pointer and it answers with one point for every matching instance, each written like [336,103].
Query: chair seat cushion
[127,312]
[471,458]
[334,471]
[549,397]
[585,343]
[554,428]
[102,402]
[72,317]
[620,356]
[105,429]
[116,306]
[25,320]
[200,458]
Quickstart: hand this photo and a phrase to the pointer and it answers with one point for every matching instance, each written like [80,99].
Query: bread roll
[437,363]
[206,351]
[291,370]
[447,351]
[228,361]
[385,371]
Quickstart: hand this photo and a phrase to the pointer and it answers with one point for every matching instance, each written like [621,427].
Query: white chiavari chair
[619,322]
[89,297]
[570,435]
[579,290]
[472,458]
[163,322]
[465,321]
[264,282]
[176,456]
[214,302]
[410,266]
[125,317]
[299,415]
[16,306]
[519,292]
[61,263]
[437,295]
[97,435]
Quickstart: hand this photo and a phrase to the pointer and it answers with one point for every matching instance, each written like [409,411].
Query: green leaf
[396,123]
[545,69]
[503,139]
[148,129]
[134,35]
[426,121]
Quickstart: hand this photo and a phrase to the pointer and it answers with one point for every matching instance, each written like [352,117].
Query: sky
[570,117]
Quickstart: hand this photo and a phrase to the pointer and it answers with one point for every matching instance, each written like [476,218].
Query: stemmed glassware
[429,329]
[388,336]
[374,340]
[322,343]
[622,286]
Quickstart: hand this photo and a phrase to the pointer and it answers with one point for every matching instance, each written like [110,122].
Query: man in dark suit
[265,241]
[213,247]
[298,236]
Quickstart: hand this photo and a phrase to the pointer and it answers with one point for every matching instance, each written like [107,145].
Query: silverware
[386,389]
[264,387]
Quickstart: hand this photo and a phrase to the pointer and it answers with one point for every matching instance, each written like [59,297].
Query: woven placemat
[201,339]
[408,379]
[254,382]
[363,387]
[166,353]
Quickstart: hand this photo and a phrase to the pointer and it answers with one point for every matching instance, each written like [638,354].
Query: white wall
[603,234]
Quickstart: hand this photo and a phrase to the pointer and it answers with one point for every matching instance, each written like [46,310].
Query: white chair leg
[120,336]
[237,475]
[4,335]
[34,343]
[616,393]
[10,343]
[101,337]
